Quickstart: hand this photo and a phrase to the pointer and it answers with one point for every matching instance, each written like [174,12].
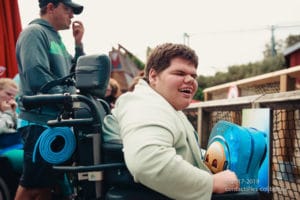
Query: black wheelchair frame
[98,170]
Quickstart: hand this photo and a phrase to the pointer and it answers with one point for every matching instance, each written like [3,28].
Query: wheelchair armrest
[112,152]
[115,146]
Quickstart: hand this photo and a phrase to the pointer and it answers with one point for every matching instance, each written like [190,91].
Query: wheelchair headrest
[92,74]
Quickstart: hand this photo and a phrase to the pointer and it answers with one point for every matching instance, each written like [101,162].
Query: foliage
[279,48]
[199,94]
[292,39]
[270,63]
[140,65]
[238,72]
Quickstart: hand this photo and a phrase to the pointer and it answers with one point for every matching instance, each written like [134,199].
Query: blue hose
[47,138]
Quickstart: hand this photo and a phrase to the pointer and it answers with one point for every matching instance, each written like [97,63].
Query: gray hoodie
[8,122]
[42,57]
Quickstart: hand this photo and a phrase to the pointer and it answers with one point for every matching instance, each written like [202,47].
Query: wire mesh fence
[284,140]
[286,154]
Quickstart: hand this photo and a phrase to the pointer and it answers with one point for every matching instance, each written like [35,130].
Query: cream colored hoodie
[160,147]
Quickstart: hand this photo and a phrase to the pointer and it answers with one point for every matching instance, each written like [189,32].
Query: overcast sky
[223,32]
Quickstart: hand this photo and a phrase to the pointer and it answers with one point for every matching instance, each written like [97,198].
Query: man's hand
[78,31]
[225,181]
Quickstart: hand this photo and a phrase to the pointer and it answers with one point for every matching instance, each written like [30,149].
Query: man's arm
[78,31]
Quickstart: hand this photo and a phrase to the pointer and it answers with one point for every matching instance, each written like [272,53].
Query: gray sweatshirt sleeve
[8,122]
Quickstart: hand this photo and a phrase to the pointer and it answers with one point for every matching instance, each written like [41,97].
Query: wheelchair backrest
[92,74]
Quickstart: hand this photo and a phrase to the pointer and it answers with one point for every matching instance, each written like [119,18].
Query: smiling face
[177,83]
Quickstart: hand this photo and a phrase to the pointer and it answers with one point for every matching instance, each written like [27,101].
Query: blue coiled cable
[47,138]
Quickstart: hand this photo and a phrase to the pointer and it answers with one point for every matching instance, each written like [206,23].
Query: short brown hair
[161,56]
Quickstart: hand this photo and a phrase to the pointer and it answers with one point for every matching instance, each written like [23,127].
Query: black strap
[67,80]
[35,117]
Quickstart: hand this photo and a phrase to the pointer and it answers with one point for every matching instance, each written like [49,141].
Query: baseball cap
[77,9]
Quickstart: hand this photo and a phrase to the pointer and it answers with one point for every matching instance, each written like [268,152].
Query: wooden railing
[278,81]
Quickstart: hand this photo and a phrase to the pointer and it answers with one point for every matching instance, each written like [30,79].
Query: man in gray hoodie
[42,58]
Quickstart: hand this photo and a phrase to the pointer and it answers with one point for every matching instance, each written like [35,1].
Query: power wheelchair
[96,169]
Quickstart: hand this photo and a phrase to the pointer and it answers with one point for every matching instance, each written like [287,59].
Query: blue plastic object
[46,140]
[9,139]
[239,149]
[15,157]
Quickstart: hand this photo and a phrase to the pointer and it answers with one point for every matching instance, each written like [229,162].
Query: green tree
[199,94]
[292,39]
[237,72]
[279,46]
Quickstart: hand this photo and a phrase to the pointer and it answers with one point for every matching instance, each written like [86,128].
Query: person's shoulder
[35,27]
[31,31]
[31,34]
[143,102]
